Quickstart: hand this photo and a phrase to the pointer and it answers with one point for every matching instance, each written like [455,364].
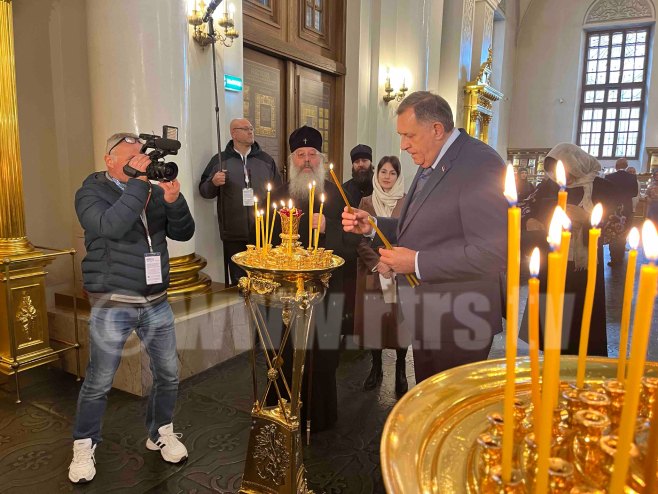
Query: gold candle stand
[444,436]
[293,279]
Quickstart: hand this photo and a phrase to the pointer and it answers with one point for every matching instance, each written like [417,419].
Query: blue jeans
[109,328]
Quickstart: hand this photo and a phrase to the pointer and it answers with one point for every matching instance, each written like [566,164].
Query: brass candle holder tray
[430,440]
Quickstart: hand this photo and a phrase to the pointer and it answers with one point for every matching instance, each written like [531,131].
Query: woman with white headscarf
[375,314]
[585,189]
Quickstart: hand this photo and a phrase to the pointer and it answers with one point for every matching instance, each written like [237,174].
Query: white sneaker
[171,449]
[83,465]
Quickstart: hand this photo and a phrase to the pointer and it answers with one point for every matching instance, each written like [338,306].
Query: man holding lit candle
[452,234]
[585,189]
[244,172]
[306,164]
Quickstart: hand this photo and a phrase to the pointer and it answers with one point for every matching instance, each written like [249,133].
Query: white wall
[548,77]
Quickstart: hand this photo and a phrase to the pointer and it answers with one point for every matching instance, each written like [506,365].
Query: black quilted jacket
[115,237]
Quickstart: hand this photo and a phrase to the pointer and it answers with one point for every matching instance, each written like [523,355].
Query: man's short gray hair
[428,108]
[115,139]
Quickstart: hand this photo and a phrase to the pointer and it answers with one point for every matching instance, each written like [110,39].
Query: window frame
[619,86]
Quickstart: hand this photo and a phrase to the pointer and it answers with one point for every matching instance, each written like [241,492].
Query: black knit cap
[361,151]
[305,137]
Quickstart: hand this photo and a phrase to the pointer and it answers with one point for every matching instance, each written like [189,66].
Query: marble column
[139,80]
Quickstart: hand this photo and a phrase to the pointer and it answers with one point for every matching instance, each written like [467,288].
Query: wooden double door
[280,95]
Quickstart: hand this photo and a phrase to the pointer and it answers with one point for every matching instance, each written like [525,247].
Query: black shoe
[375,377]
[401,384]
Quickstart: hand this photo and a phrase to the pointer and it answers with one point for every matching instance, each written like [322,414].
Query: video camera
[162,146]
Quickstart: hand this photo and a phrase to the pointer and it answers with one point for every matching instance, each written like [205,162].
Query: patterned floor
[213,414]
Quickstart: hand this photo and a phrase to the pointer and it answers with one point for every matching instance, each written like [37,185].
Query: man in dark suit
[626,188]
[451,233]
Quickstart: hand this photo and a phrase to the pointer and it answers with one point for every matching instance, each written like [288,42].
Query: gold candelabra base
[446,435]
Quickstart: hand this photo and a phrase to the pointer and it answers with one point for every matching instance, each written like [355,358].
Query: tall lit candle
[317,230]
[633,242]
[262,229]
[340,187]
[592,258]
[267,211]
[290,212]
[257,217]
[513,275]
[256,214]
[565,242]
[646,296]
[311,209]
[533,334]
[272,225]
[561,179]
[552,345]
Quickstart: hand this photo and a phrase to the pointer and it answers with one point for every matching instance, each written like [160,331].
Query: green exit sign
[232,83]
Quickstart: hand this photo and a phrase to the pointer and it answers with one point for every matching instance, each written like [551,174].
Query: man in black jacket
[244,172]
[626,188]
[126,275]
[360,185]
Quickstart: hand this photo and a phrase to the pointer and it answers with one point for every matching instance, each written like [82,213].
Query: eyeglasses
[128,139]
[246,129]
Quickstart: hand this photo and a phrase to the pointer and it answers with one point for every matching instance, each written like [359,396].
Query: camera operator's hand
[139,162]
[219,178]
[171,190]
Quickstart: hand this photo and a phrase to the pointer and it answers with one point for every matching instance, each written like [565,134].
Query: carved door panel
[265,102]
[316,106]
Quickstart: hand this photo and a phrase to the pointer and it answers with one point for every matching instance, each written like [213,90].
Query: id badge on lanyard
[152,260]
[247,192]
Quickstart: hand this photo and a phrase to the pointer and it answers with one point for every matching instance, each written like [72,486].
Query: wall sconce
[389,91]
[226,23]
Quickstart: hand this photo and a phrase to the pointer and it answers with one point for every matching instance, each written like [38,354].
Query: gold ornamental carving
[479,99]
[26,315]
[271,455]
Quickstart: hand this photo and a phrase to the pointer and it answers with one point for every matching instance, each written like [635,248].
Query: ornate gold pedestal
[430,440]
[478,103]
[185,275]
[292,279]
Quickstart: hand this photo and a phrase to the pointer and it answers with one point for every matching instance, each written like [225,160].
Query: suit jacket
[458,224]
[626,188]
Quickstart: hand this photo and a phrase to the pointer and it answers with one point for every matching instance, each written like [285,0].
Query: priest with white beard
[334,315]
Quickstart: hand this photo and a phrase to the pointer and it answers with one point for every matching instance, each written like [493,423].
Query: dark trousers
[617,250]
[433,357]
[235,272]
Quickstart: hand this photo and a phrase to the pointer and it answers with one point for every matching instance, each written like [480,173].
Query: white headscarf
[583,168]
[384,202]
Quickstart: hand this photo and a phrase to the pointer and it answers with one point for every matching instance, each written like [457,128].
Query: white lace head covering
[583,169]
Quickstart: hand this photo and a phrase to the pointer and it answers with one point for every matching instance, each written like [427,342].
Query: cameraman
[126,274]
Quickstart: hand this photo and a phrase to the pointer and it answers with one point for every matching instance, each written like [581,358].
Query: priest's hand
[356,221]
[323,222]
[400,259]
[171,190]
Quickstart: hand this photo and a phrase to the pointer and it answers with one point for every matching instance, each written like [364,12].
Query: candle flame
[289,203]
[322,197]
[534,262]
[262,212]
[331,166]
[310,186]
[283,203]
[597,214]
[555,229]
[510,186]
[274,206]
[269,187]
[560,175]
[314,183]
[256,199]
[634,238]
[650,240]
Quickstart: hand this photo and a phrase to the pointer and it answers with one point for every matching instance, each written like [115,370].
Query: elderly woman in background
[375,314]
[585,190]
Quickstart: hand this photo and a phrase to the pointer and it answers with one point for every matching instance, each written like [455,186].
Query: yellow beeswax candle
[633,242]
[646,296]
[592,257]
